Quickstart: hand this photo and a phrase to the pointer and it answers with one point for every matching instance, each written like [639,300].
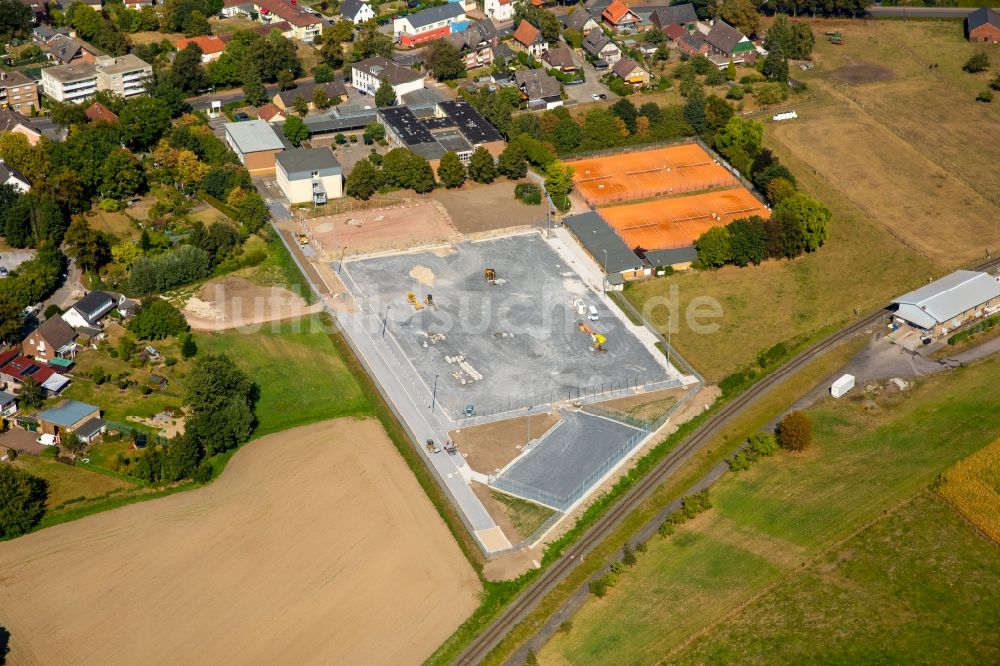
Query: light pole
[341,264]
[604,280]
[385,320]
[434,392]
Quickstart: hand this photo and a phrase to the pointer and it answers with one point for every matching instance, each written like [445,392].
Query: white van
[579,306]
[592,313]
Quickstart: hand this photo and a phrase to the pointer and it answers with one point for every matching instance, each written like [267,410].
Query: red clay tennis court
[679,221]
[648,173]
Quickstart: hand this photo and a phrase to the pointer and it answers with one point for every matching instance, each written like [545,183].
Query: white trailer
[840,387]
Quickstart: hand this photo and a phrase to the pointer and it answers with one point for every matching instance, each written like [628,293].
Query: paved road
[920,12]
[69,292]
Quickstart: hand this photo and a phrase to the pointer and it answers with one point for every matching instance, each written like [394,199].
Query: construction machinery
[429,301]
[490,275]
[412,299]
[302,239]
[597,338]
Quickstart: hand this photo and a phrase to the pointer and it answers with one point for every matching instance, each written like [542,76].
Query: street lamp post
[341,264]
[434,392]
[385,320]
[604,281]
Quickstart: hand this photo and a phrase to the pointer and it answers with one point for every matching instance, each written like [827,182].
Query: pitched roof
[91,428]
[617,11]
[333,90]
[6,398]
[944,299]
[7,172]
[350,8]
[387,70]
[537,83]
[56,332]
[207,43]
[597,237]
[595,41]
[435,14]
[254,136]
[10,120]
[294,14]
[63,48]
[559,57]
[94,305]
[21,367]
[269,111]
[624,67]
[527,34]
[674,15]
[982,16]
[724,36]
[67,412]
[576,19]
[98,111]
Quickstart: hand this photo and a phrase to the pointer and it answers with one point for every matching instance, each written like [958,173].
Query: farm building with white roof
[948,303]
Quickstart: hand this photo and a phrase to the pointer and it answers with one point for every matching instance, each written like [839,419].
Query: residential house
[726,40]
[367,75]
[98,112]
[540,89]
[270,113]
[64,50]
[15,369]
[43,34]
[12,121]
[255,143]
[619,17]
[579,20]
[90,309]
[631,72]
[285,99]
[309,175]
[38,11]
[66,417]
[91,430]
[11,176]
[126,75]
[500,11]
[600,47]
[18,92]
[943,305]
[983,25]
[210,45]
[429,24]
[692,43]
[530,39]
[476,50]
[53,339]
[8,404]
[560,58]
[356,11]
[683,16]
[305,25]
[233,8]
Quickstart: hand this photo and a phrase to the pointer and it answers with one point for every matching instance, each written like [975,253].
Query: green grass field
[301,376]
[769,521]
[526,517]
[917,586]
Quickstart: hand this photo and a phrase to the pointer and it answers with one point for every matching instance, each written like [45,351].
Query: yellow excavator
[302,238]
[490,275]
[412,298]
[598,338]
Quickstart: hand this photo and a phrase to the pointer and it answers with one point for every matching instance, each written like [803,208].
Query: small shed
[157,383]
[67,416]
[92,430]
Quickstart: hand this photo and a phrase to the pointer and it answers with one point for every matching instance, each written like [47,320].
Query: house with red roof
[210,45]
[620,17]
[97,112]
[530,39]
[16,369]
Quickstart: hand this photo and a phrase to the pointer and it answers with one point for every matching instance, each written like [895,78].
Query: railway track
[607,523]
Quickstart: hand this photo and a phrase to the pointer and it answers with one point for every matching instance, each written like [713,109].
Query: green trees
[714,247]
[385,95]
[152,275]
[187,72]
[32,219]
[22,500]
[559,183]
[15,20]
[977,62]
[370,42]
[11,318]
[482,169]
[250,208]
[775,67]
[295,130]
[806,214]
[444,61]
[512,163]
[363,181]
[741,14]
[794,432]
[747,241]
[188,346]
[759,445]
[320,99]
[626,110]
[795,40]
[740,142]
[121,175]
[220,399]
[451,172]
[374,132]
[158,319]
[90,248]
[404,168]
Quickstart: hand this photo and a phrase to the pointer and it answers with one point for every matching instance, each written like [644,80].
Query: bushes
[984,325]
[759,445]
[599,586]
[794,432]
[152,275]
[528,193]
[158,319]
[23,501]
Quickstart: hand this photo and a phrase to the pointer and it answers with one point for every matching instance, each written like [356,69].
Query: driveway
[583,93]
[69,292]
[22,441]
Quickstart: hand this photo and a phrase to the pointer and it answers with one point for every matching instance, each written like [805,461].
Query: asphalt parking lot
[582,93]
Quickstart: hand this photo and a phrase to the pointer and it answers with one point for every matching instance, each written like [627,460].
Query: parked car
[470,410]
[3,272]
[46,440]
[592,313]
[241,116]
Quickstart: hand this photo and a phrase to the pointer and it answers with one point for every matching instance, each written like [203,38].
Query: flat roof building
[605,247]
[255,144]
[75,82]
[309,175]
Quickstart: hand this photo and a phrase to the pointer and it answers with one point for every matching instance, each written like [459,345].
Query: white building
[499,10]
[356,11]
[946,304]
[309,175]
[126,75]
[11,176]
[367,75]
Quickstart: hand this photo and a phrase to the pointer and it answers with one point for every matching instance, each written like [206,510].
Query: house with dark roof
[11,176]
[367,75]
[679,15]
[356,11]
[539,88]
[12,121]
[600,47]
[678,258]
[53,339]
[309,175]
[692,43]
[605,247]
[983,25]
[91,430]
[631,72]
[529,38]
[579,20]
[620,17]
[90,309]
[726,40]
[64,50]
[98,112]
[335,91]
[8,404]
[560,58]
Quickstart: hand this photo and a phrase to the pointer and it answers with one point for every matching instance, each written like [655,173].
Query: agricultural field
[770,521]
[973,487]
[255,567]
[909,199]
